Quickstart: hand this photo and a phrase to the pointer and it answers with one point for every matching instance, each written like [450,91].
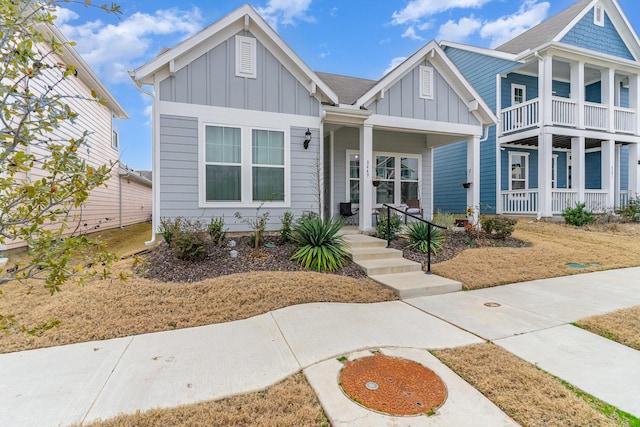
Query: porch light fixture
[307,138]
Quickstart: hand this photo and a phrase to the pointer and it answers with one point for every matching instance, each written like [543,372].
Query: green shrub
[394,226]
[285,230]
[190,241]
[321,248]
[419,237]
[257,223]
[577,216]
[631,212]
[502,225]
[216,230]
[168,228]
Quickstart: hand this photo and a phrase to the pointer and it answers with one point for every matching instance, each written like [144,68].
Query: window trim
[598,15]
[526,170]
[426,73]
[348,176]
[246,168]
[515,86]
[115,132]
[252,45]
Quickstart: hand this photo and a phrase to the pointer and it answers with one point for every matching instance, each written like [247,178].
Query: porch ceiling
[559,141]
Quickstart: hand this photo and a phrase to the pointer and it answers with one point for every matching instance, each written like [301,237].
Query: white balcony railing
[520,202]
[595,116]
[624,119]
[596,201]
[563,199]
[520,116]
[564,112]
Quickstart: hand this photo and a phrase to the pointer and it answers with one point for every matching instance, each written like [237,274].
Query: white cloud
[324,50]
[507,27]
[285,11]
[410,33]
[459,31]
[65,15]
[111,49]
[417,10]
[394,63]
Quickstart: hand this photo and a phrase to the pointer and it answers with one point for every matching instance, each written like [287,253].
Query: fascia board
[479,50]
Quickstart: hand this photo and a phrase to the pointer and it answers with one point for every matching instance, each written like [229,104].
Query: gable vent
[598,16]
[245,57]
[426,82]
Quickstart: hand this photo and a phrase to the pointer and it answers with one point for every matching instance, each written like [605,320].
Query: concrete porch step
[377,267]
[366,254]
[355,241]
[417,284]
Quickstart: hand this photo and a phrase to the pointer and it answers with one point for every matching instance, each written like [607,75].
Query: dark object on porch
[347,214]
[462,223]
[466,184]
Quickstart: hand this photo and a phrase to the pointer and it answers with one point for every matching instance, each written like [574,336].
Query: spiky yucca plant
[321,248]
[419,237]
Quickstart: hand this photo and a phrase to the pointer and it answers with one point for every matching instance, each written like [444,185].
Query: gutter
[153,155]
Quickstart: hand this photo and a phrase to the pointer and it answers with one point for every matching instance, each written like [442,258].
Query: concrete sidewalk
[85,382]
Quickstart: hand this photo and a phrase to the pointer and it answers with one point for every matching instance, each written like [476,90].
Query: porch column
[545,89]
[473,176]
[634,173]
[366,179]
[577,91]
[608,96]
[634,101]
[545,156]
[578,167]
[608,177]
[616,177]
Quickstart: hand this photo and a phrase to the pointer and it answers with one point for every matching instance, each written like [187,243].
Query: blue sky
[361,38]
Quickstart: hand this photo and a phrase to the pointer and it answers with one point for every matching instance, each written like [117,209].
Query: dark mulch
[163,265]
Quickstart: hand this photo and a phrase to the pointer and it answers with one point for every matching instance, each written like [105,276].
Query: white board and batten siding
[208,91]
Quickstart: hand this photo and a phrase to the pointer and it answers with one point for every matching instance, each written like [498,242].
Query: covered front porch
[547,174]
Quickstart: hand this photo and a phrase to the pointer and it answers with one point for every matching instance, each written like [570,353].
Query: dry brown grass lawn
[289,403]
[528,395]
[553,246]
[622,326]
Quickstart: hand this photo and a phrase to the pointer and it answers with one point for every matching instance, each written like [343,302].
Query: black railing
[390,208]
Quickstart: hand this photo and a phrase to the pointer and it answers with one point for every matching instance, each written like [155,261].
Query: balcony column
[577,91]
[578,167]
[545,90]
[366,177]
[608,172]
[634,170]
[473,176]
[545,155]
[634,101]
[608,96]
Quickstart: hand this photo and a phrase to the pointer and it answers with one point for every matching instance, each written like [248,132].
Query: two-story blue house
[566,94]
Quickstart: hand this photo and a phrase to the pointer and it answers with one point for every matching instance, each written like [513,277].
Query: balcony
[565,113]
[526,201]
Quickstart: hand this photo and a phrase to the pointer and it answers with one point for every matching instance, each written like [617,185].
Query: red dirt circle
[392,386]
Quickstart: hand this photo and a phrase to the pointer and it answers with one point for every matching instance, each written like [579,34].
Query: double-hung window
[519,171]
[244,165]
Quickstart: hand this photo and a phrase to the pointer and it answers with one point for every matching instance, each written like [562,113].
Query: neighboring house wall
[136,201]
[587,35]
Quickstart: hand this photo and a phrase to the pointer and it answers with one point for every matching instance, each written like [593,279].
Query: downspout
[153,151]
[120,208]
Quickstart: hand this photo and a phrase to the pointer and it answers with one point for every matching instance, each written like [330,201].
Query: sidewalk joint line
[286,341]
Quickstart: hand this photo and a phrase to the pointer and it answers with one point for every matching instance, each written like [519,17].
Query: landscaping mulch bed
[163,265]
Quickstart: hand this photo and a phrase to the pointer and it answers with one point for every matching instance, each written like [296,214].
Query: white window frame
[349,153]
[115,132]
[250,43]
[526,170]
[397,181]
[598,15]
[246,167]
[515,86]
[554,171]
[426,76]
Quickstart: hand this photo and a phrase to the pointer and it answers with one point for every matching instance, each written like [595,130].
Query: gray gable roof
[544,32]
[348,89]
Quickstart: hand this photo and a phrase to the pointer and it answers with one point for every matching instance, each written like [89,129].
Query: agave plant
[419,237]
[321,248]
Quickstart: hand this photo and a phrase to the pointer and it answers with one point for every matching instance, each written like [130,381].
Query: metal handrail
[389,208]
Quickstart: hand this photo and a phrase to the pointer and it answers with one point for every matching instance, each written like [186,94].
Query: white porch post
[577,91]
[545,89]
[608,96]
[366,179]
[634,100]
[616,177]
[578,167]
[608,179]
[545,156]
[634,174]
[473,176]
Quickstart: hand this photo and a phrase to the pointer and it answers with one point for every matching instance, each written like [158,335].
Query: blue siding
[624,96]
[488,182]
[513,78]
[563,160]
[624,168]
[593,93]
[590,36]
[561,89]
[449,171]
[593,168]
